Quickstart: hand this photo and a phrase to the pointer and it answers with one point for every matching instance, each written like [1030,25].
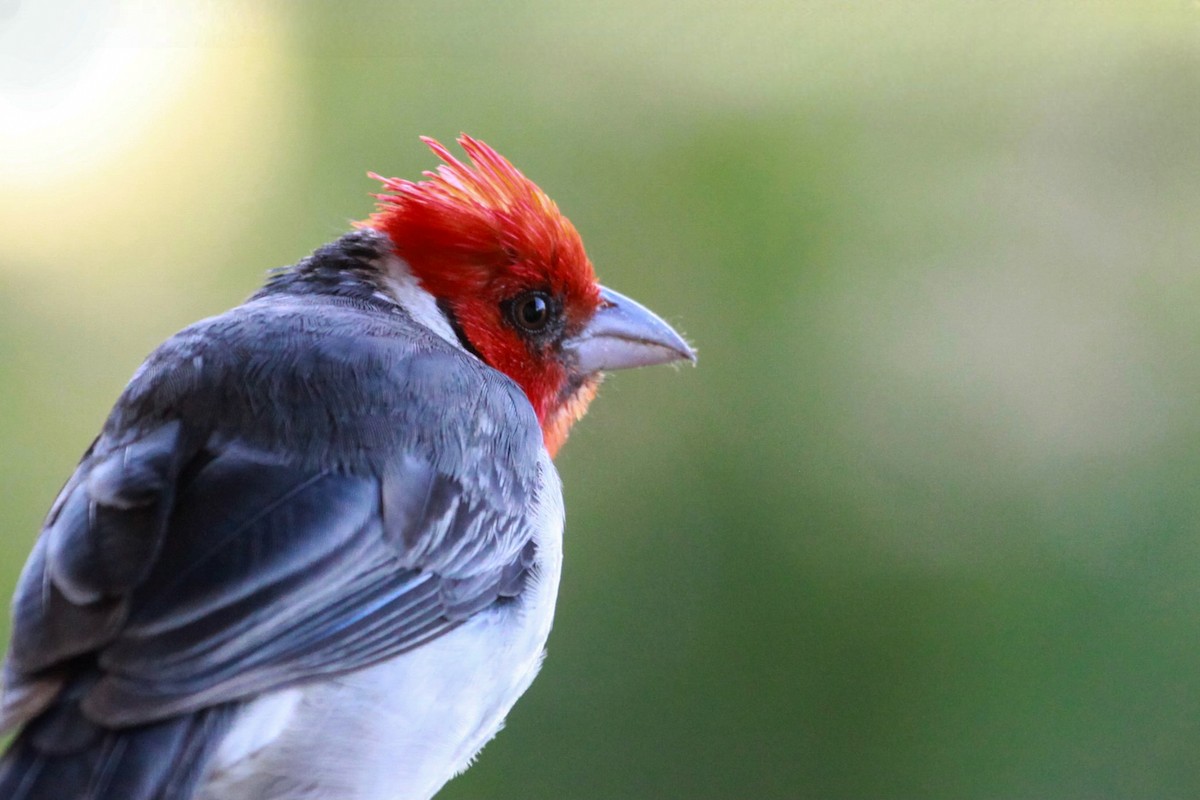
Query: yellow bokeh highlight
[138,125]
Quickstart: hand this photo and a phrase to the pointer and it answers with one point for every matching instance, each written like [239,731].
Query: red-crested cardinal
[314,552]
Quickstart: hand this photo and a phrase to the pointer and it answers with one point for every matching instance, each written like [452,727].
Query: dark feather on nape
[349,268]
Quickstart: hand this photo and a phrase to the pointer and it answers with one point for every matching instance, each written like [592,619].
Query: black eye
[531,311]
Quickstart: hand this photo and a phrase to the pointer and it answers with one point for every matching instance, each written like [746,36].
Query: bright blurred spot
[115,117]
[81,82]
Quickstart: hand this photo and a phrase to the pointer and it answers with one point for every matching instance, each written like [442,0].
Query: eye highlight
[531,311]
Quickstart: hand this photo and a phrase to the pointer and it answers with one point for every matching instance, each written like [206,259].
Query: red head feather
[479,234]
[468,226]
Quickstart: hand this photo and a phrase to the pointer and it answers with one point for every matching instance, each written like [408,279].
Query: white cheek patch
[407,291]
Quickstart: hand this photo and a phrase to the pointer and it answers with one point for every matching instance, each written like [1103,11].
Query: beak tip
[625,334]
[687,352]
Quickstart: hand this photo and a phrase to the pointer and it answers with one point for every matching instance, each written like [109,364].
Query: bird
[314,551]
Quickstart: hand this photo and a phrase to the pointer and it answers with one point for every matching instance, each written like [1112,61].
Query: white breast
[400,729]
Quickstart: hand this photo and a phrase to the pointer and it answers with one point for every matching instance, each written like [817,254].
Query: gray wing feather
[193,565]
[272,575]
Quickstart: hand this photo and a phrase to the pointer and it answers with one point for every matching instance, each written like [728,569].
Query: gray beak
[624,334]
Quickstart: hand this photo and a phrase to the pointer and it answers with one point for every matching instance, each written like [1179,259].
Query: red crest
[468,226]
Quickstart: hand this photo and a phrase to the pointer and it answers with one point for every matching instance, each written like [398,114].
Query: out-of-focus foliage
[925,522]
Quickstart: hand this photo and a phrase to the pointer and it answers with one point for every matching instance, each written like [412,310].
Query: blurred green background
[924,523]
